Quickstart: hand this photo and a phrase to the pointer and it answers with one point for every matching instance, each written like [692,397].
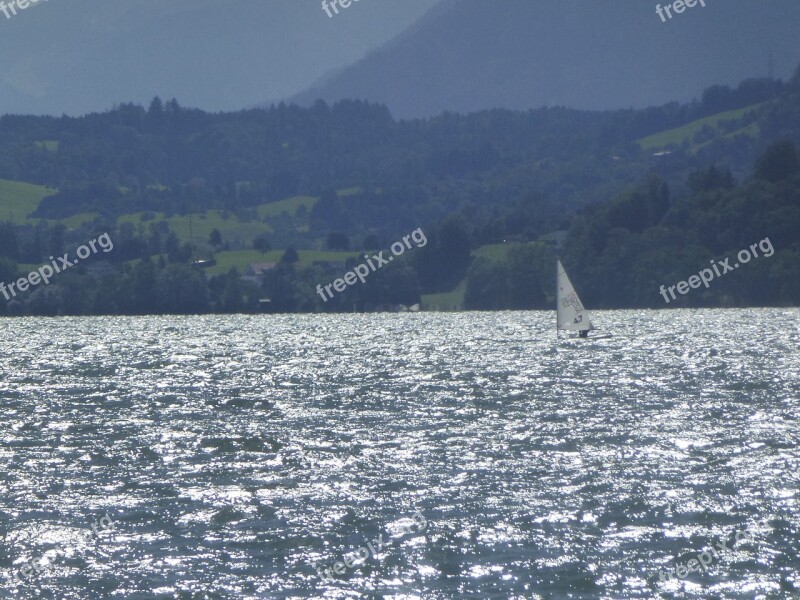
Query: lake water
[235,454]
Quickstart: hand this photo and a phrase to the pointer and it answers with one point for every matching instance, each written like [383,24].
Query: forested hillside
[194,200]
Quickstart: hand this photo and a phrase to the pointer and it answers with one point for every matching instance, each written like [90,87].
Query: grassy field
[496,252]
[19,199]
[349,191]
[289,206]
[752,130]
[452,300]
[687,132]
[202,224]
[76,221]
[51,145]
[232,229]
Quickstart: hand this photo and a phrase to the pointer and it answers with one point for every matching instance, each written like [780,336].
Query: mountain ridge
[467,55]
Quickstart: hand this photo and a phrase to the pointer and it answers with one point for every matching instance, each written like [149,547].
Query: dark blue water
[239,457]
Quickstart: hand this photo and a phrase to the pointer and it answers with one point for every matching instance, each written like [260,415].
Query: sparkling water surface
[241,456]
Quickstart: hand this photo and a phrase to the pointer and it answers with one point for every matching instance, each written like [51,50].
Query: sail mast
[558,264]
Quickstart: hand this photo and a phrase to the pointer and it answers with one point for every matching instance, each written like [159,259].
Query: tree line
[544,182]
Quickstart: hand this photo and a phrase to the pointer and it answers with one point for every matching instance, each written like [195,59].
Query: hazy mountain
[468,55]
[79,56]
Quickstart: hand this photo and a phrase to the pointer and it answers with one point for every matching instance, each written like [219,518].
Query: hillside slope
[469,55]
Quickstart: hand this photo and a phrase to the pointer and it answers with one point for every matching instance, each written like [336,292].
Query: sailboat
[571,315]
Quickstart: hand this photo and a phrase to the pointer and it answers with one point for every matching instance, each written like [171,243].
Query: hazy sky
[78,55]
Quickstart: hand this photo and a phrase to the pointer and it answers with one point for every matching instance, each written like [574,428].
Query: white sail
[571,314]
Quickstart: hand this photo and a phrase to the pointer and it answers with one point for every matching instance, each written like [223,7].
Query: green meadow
[290,206]
[49,145]
[198,227]
[452,300]
[686,133]
[19,199]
